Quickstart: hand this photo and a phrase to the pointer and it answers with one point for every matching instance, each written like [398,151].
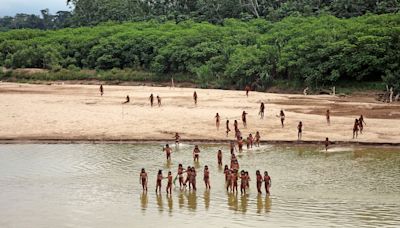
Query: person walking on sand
[159,101]
[127,100]
[101,90]
[143,179]
[247,88]
[168,151]
[244,120]
[261,113]
[217,121]
[195,97]
[361,123]
[151,98]
[328,117]
[227,128]
[299,130]
[355,128]
[282,116]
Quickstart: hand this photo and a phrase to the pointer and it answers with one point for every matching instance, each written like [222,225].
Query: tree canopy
[315,51]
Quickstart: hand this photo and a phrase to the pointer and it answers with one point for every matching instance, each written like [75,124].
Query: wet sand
[68,113]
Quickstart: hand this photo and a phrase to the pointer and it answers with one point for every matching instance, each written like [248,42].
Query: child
[159,179]
[361,123]
[151,100]
[177,138]
[244,118]
[195,97]
[227,128]
[196,153]
[282,115]
[169,184]
[258,138]
[219,157]
[143,179]
[168,151]
[243,182]
[261,113]
[259,181]
[217,119]
[299,130]
[328,117]
[101,90]
[355,128]
[206,177]
[267,182]
[159,101]
[326,144]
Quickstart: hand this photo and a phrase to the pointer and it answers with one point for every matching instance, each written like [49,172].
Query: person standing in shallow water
[267,182]
[143,179]
[219,157]
[101,90]
[206,178]
[196,153]
[168,151]
[327,143]
[299,130]
[259,180]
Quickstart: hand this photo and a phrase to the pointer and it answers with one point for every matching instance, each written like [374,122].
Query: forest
[302,43]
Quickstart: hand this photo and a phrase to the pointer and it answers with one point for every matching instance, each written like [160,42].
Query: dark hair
[159,171]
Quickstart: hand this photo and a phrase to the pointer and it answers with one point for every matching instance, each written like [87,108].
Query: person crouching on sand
[127,100]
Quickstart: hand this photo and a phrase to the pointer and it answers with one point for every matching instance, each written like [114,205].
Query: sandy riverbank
[78,112]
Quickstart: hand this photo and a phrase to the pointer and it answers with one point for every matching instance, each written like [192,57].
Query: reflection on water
[96,186]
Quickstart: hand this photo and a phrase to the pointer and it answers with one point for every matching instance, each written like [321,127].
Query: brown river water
[97,185]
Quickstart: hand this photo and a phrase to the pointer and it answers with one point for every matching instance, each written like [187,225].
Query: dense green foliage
[314,51]
[93,12]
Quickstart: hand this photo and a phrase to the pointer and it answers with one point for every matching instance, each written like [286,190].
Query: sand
[78,112]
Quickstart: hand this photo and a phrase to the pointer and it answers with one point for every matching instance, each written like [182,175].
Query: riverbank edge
[191,141]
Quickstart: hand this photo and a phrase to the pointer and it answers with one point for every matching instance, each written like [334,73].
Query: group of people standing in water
[187,177]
